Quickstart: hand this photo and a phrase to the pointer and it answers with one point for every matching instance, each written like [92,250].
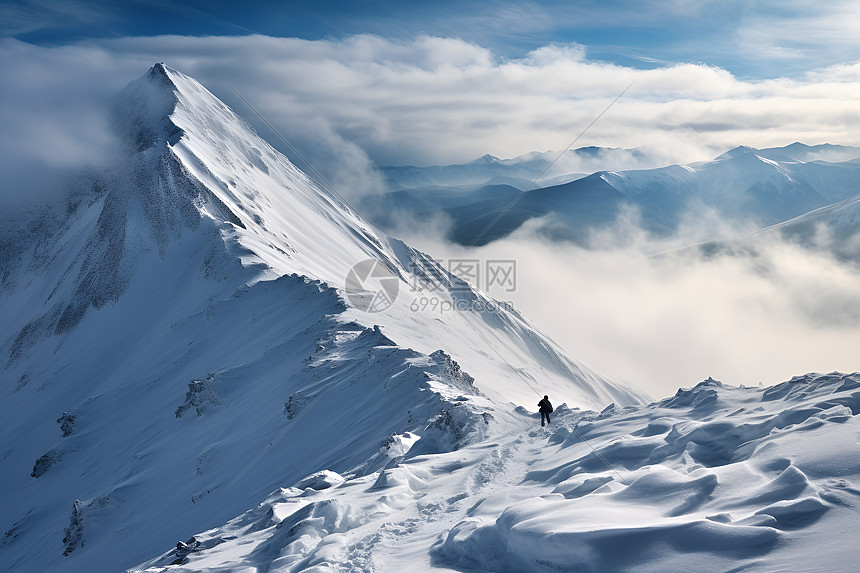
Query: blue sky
[751,39]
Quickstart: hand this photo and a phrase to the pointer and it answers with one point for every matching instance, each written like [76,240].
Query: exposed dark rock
[44,463]
[11,534]
[185,548]
[67,424]
[374,337]
[457,376]
[74,533]
[199,396]
[296,403]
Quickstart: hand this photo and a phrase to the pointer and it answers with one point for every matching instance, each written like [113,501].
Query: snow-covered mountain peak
[187,308]
[197,178]
[281,221]
[141,111]
[277,218]
[735,152]
[486,159]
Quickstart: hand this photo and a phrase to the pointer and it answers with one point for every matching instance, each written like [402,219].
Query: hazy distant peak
[736,152]
[593,150]
[797,151]
[486,159]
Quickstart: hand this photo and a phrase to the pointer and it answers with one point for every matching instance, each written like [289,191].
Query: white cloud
[800,30]
[437,100]
[666,322]
[349,104]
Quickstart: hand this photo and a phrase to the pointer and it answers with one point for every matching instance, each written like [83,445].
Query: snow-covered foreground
[715,478]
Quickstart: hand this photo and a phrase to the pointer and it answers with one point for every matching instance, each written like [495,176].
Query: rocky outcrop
[200,397]
[45,461]
[74,533]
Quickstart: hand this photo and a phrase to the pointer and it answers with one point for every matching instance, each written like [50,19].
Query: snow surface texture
[715,478]
[177,344]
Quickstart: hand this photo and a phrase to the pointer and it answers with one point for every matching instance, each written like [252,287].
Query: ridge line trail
[457,483]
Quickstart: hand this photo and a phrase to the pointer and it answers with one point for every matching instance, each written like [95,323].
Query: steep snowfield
[178,342]
[715,478]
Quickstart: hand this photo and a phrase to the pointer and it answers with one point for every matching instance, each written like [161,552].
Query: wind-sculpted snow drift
[716,478]
[176,344]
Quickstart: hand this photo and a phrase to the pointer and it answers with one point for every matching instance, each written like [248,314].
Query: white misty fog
[54,111]
[660,323]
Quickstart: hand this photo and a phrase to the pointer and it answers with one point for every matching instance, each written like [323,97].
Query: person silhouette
[545,409]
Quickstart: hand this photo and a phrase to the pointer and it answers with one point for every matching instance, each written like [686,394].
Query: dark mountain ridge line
[746,186]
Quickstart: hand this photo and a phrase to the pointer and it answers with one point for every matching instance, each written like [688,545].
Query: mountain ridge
[188,307]
[750,188]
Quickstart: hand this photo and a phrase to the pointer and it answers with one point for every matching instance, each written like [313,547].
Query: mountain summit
[281,215]
[202,323]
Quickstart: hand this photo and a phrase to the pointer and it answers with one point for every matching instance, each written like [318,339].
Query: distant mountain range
[787,187]
[519,171]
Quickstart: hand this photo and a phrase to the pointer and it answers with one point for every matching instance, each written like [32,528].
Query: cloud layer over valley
[354,103]
[760,311]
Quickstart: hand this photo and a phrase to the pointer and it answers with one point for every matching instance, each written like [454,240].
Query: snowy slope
[715,478]
[178,342]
